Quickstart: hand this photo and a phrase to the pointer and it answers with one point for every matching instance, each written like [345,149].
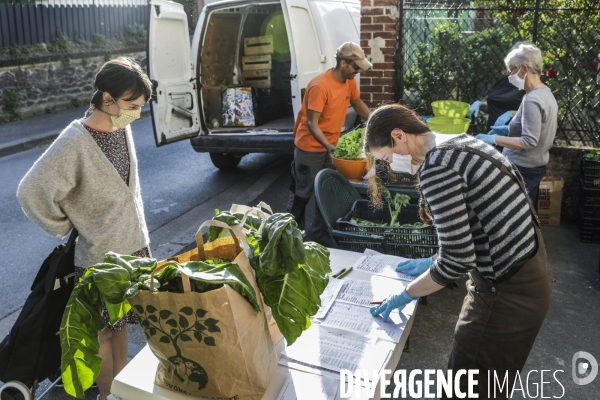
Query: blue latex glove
[489,139]
[398,301]
[504,119]
[416,266]
[499,130]
[474,109]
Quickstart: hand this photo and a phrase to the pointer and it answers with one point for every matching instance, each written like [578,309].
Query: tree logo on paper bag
[174,329]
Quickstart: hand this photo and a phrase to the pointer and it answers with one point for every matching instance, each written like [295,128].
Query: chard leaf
[81,322]
[281,245]
[215,232]
[294,296]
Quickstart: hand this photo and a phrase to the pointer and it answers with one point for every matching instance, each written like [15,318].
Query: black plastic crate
[590,167]
[589,203]
[590,174]
[410,242]
[391,178]
[589,235]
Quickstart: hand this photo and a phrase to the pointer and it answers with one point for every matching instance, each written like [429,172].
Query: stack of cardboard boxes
[257,64]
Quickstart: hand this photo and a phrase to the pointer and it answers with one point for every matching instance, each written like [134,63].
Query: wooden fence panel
[112,16]
[25,24]
[64,25]
[30,24]
[19,25]
[80,15]
[87,22]
[105,21]
[39,24]
[4,26]
[44,12]
[70,22]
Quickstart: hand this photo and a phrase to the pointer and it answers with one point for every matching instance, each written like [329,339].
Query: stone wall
[53,85]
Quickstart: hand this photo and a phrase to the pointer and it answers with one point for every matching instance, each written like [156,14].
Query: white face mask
[403,164]
[519,83]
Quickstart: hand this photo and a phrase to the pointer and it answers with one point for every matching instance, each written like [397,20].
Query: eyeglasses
[511,71]
[353,65]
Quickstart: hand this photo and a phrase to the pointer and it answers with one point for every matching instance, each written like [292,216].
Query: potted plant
[349,156]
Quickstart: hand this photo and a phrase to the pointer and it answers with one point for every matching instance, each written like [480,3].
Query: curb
[18,146]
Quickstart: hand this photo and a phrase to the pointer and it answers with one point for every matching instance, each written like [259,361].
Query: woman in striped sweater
[487,229]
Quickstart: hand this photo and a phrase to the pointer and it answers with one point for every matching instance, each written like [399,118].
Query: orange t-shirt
[331,98]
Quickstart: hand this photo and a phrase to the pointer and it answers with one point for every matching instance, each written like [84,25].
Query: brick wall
[378,39]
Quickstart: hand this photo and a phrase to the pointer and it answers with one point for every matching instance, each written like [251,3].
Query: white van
[187,102]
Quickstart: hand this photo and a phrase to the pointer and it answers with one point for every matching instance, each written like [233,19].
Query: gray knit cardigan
[73,184]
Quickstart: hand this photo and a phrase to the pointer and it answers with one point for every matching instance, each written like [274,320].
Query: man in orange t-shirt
[318,128]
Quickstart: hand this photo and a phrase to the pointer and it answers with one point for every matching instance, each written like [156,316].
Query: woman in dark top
[486,228]
[502,103]
[504,97]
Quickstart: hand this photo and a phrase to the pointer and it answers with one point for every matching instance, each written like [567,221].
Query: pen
[346,272]
[341,271]
[377,302]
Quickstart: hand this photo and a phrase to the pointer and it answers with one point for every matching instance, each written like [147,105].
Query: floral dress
[114,147]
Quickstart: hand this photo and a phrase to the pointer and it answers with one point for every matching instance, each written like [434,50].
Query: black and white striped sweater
[481,214]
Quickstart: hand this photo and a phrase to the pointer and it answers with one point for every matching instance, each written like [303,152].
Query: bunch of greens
[351,145]
[593,155]
[366,222]
[291,275]
[114,281]
[395,205]
[231,219]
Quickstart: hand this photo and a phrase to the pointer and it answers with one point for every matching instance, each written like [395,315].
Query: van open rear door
[306,53]
[174,107]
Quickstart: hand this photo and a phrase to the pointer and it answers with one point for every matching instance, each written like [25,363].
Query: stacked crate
[256,62]
[589,199]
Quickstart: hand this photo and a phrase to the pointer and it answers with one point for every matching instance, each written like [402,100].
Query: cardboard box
[549,200]
[237,107]
[253,63]
[258,45]
[258,79]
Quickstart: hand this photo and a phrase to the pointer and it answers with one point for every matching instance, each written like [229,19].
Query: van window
[305,40]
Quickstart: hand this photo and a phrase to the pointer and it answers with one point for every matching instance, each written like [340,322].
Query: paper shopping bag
[211,344]
[549,200]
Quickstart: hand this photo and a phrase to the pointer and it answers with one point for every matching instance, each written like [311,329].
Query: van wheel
[225,161]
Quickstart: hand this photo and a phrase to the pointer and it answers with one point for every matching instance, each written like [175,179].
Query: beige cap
[352,51]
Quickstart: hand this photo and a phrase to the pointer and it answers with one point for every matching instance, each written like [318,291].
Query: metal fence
[456,51]
[25,23]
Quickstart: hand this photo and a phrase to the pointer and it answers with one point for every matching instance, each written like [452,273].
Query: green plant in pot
[349,155]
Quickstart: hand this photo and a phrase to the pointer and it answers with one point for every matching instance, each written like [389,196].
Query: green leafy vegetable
[294,296]
[281,245]
[395,205]
[593,155]
[351,145]
[214,232]
[291,275]
[114,281]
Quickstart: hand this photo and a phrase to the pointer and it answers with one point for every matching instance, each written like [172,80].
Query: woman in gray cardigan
[88,180]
